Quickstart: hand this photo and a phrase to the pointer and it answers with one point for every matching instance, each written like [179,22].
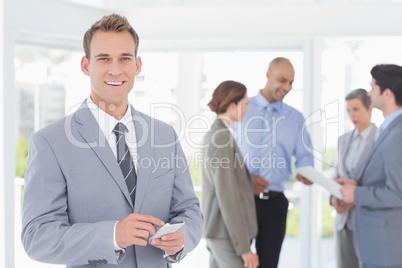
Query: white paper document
[319,178]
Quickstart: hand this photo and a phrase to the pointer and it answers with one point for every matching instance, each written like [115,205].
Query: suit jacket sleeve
[221,163]
[339,155]
[385,189]
[47,234]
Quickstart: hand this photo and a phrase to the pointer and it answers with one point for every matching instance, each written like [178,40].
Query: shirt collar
[105,121]
[229,128]
[389,118]
[263,103]
[364,134]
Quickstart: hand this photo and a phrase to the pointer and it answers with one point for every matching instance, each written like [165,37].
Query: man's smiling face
[280,80]
[112,68]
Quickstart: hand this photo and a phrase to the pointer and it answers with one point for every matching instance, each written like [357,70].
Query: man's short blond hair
[109,23]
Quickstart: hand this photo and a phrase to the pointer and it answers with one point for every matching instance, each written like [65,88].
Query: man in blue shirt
[269,135]
[377,194]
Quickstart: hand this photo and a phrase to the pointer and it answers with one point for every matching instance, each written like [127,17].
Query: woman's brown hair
[226,93]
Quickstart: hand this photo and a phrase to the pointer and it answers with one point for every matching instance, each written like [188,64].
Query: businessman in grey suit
[100,180]
[378,192]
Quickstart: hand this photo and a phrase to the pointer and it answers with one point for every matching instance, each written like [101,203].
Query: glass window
[41,80]
[155,86]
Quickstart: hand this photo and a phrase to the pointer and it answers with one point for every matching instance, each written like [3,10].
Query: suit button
[104,261]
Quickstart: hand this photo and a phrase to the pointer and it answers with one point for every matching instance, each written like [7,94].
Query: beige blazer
[227,196]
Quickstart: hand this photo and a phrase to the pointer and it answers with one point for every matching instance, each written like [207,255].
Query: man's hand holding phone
[169,238]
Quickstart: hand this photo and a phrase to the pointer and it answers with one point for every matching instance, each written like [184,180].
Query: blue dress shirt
[388,119]
[289,140]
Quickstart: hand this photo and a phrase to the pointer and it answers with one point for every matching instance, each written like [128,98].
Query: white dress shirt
[107,123]
[359,142]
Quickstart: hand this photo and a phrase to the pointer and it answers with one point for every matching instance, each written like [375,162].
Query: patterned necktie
[266,169]
[125,160]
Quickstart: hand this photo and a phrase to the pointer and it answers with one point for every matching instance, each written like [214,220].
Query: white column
[7,135]
[310,214]
[188,92]
[2,183]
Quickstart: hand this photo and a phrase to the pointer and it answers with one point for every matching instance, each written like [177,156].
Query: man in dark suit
[378,192]
[99,180]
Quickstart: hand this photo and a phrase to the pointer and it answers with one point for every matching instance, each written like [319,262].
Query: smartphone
[168,228]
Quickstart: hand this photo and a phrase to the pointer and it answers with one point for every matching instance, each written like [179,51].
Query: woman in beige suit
[353,149]
[227,196]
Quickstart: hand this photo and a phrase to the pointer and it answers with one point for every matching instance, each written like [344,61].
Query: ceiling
[124,4]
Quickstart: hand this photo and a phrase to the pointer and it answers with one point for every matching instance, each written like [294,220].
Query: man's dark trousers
[271,214]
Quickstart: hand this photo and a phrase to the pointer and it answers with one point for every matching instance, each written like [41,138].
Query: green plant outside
[327,229]
[293,221]
[21,157]
[195,172]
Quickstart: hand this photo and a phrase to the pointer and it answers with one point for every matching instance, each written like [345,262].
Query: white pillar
[7,135]
[310,213]
[2,183]
[188,92]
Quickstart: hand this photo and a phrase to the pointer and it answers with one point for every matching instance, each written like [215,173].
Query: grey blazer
[378,197]
[344,142]
[75,192]
[227,195]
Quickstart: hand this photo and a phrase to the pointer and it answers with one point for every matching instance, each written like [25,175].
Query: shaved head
[280,76]
[275,62]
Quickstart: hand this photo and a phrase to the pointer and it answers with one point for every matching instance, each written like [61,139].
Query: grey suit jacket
[227,195]
[75,192]
[378,197]
[344,142]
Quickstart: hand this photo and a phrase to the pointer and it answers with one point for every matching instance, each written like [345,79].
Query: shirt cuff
[118,251]
[116,247]
[173,258]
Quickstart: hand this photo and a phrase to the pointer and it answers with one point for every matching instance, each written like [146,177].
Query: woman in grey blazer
[353,149]
[227,196]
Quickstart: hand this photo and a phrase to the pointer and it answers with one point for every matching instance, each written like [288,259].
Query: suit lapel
[343,154]
[145,155]
[91,133]
[380,139]
[218,125]
[363,157]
